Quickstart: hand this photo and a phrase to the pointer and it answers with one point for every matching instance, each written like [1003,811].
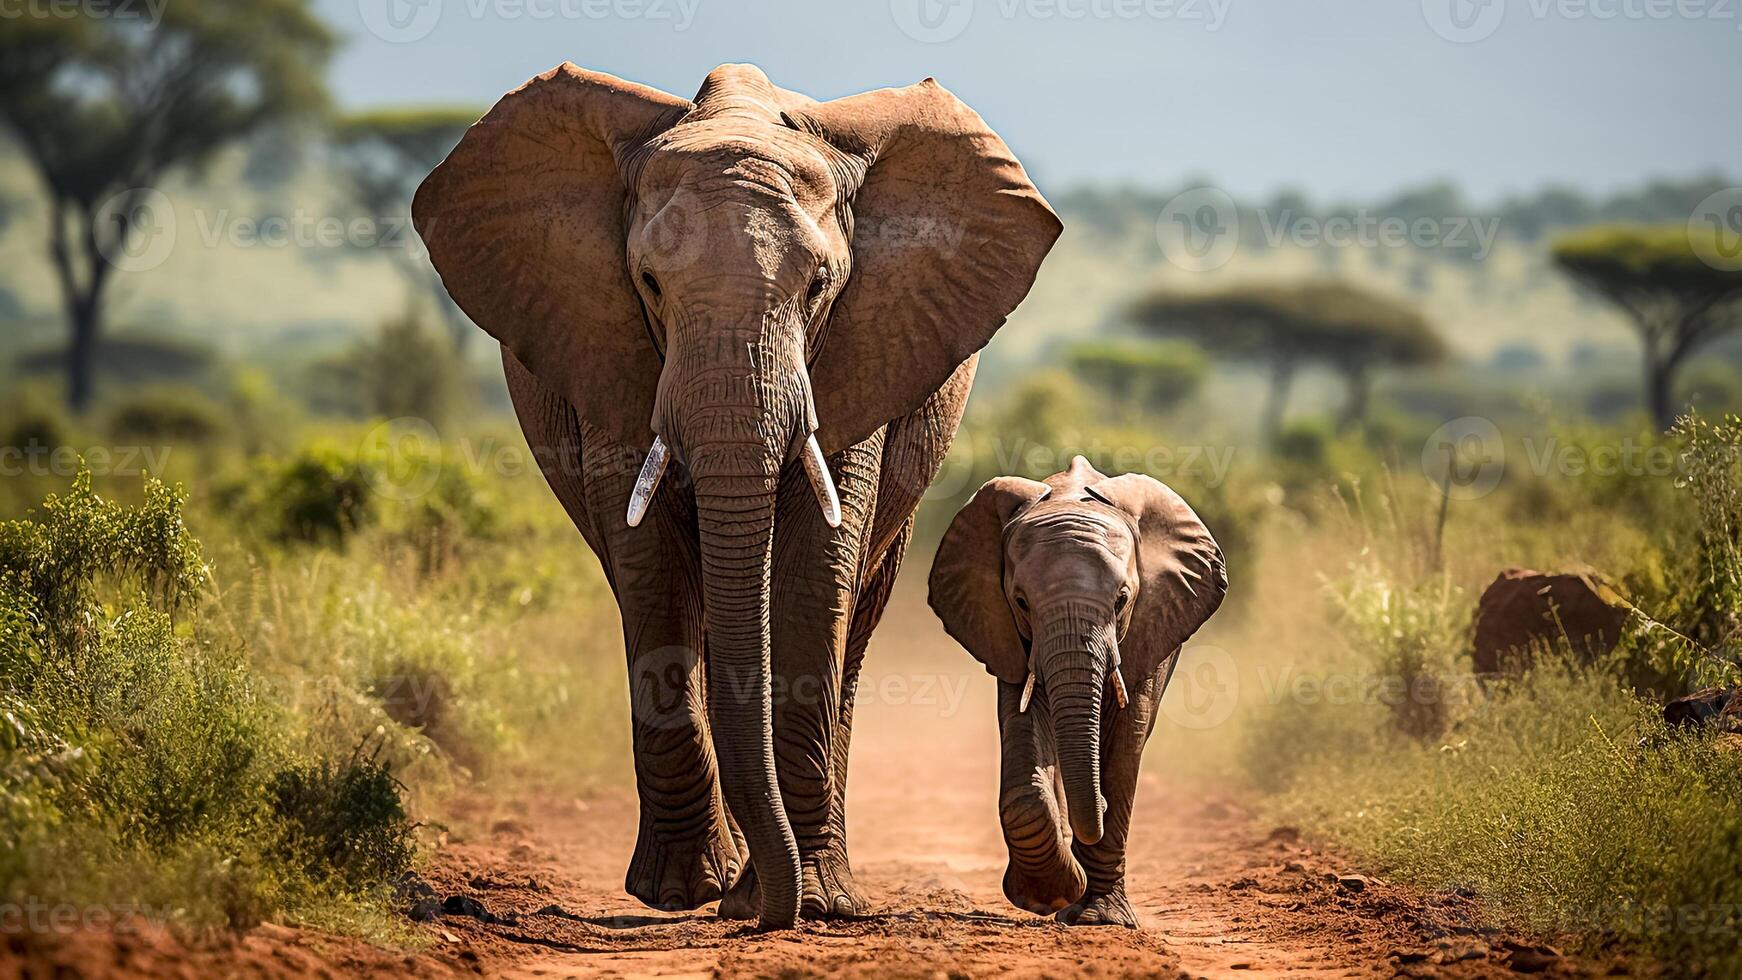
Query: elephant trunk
[737,425]
[735,515]
[1074,652]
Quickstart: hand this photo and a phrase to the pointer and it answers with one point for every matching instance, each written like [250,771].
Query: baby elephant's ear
[1183,577]
[967,577]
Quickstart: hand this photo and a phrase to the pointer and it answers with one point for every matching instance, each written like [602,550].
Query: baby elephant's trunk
[1075,653]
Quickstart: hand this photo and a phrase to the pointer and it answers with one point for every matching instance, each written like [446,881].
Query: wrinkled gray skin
[755,279]
[1090,584]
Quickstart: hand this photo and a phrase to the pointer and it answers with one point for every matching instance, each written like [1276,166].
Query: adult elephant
[776,304]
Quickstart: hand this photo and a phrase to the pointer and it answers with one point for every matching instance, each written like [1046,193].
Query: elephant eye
[1124,598]
[820,283]
[1022,603]
[651,283]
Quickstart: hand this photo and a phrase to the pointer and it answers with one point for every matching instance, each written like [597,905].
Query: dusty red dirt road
[1220,893]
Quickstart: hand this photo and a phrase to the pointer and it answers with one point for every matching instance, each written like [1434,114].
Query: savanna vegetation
[1560,798]
[249,689]
[242,691]
[268,601]
[1340,686]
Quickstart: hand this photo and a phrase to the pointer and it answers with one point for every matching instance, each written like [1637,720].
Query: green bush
[324,495]
[262,416]
[1046,410]
[1148,376]
[138,763]
[406,370]
[1306,444]
[343,820]
[34,419]
[318,495]
[1695,612]
[166,415]
[1411,636]
[425,673]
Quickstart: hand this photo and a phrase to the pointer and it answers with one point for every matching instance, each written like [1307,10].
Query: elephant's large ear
[948,233]
[967,577]
[1179,563]
[525,222]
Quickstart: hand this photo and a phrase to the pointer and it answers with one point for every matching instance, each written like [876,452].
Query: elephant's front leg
[848,897]
[1104,902]
[685,854]
[815,583]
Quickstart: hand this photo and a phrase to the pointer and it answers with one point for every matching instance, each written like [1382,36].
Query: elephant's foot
[1045,892]
[1109,908]
[829,889]
[675,875]
[743,900]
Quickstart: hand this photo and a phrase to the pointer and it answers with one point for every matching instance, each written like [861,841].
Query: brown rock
[1527,958]
[1525,609]
[1716,706]
[1285,834]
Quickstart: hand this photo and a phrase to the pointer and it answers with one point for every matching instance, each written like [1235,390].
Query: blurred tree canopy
[1147,376]
[1674,281]
[382,156]
[1288,326]
[107,104]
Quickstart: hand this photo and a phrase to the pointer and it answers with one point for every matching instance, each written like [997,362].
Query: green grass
[1559,799]
[137,764]
[1562,803]
[255,727]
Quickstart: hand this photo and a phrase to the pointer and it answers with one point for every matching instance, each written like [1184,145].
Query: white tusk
[648,481]
[817,469]
[1027,692]
[1119,695]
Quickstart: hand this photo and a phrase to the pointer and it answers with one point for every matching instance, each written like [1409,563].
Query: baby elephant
[1076,594]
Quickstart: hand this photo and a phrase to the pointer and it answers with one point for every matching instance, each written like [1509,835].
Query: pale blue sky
[1340,99]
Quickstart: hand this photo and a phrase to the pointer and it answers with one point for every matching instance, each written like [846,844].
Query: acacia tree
[382,156]
[1287,327]
[1138,375]
[109,102]
[1358,334]
[1680,289]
